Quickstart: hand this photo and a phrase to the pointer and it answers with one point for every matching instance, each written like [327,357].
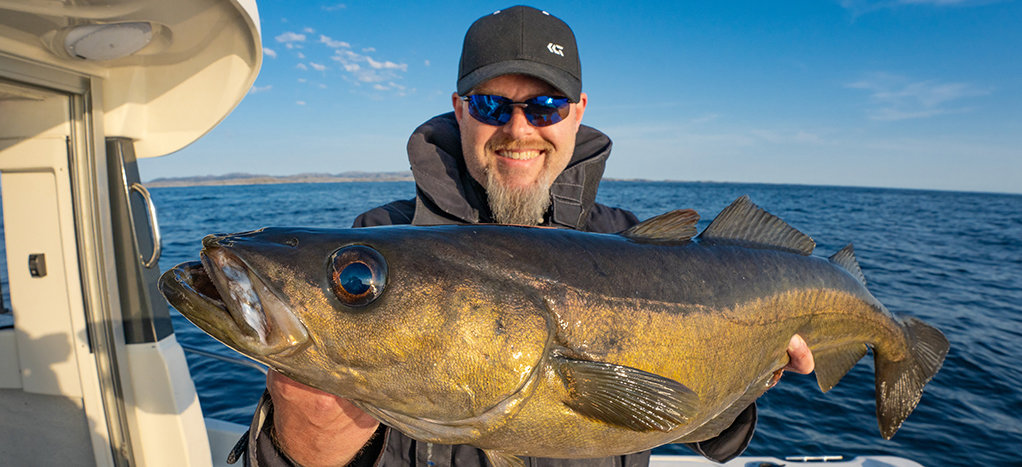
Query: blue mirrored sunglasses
[496,110]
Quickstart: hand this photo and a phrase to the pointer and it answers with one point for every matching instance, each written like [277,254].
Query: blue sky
[889,93]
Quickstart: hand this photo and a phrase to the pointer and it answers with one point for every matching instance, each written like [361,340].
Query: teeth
[519,155]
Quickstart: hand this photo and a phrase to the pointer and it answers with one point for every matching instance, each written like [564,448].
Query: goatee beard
[518,205]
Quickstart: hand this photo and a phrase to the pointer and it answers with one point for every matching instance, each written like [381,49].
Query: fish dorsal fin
[846,259]
[624,396]
[745,224]
[677,226]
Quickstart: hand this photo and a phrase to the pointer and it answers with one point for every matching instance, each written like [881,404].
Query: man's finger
[800,358]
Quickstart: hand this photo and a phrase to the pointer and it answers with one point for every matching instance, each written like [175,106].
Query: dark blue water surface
[952,259]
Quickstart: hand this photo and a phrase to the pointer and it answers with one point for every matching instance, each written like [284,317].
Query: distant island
[250,179]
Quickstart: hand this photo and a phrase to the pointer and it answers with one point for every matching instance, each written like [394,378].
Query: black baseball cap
[521,40]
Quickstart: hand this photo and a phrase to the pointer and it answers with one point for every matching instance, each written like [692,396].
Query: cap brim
[561,80]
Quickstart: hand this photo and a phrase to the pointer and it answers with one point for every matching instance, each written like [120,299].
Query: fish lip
[225,297]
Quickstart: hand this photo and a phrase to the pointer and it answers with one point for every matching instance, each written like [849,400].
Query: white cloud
[860,7]
[317,66]
[289,37]
[335,7]
[896,97]
[300,56]
[426,62]
[387,65]
[941,2]
[377,71]
[269,52]
[301,66]
[300,102]
[332,43]
[787,137]
[309,30]
[302,80]
[259,89]
[706,118]
[369,49]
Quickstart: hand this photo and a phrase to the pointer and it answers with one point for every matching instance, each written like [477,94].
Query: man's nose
[518,126]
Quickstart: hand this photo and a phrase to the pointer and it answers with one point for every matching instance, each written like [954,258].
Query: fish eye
[357,275]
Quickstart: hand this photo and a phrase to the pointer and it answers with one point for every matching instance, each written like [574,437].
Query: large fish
[547,342]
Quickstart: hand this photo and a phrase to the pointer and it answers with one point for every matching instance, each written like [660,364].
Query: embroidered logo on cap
[555,48]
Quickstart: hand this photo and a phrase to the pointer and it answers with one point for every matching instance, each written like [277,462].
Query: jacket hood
[446,193]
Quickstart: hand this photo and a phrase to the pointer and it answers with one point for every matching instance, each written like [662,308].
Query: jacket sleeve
[731,442]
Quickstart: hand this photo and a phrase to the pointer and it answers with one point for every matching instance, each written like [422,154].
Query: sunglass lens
[491,110]
[545,110]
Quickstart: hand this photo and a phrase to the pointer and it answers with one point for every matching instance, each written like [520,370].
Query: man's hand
[315,428]
[800,359]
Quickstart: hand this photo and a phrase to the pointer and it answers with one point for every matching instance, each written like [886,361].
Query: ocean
[953,259]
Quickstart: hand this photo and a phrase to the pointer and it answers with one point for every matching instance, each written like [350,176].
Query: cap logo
[555,48]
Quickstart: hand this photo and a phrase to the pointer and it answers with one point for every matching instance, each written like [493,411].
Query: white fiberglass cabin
[90,370]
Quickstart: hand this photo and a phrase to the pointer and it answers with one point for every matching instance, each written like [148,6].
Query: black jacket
[446,194]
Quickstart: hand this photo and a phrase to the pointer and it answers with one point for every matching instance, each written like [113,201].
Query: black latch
[37,264]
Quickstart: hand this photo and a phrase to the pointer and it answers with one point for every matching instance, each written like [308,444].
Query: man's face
[517,155]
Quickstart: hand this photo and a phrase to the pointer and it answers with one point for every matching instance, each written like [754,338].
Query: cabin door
[52,404]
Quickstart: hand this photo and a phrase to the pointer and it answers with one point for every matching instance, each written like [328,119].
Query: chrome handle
[154,227]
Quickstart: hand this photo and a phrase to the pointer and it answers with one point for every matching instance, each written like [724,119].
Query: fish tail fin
[899,384]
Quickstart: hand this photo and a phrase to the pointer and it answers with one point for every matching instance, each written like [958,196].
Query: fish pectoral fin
[625,396]
[833,363]
[501,459]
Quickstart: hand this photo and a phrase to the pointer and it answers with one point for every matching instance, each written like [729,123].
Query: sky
[922,94]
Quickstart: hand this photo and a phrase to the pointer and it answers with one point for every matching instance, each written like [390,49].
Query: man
[514,151]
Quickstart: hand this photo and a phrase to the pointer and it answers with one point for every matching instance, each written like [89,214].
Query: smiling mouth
[520,154]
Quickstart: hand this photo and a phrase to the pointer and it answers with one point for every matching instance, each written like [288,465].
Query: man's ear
[458,108]
[580,108]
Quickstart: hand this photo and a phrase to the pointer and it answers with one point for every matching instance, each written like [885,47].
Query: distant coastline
[239,178]
[250,179]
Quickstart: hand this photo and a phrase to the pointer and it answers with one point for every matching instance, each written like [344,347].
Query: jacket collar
[446,193]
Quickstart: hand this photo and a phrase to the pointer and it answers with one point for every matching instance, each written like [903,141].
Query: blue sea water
[952,259]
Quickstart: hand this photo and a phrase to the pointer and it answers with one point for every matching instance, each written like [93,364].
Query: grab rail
[154,227]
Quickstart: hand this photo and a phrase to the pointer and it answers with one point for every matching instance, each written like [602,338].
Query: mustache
[505,143]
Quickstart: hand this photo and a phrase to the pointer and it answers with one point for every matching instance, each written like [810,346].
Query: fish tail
[899,383]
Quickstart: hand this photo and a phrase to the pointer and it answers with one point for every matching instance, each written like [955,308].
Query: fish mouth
[223,296]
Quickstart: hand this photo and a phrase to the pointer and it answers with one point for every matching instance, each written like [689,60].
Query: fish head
[390,317]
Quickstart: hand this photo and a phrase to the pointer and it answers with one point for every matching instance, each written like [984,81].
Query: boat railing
[234,360]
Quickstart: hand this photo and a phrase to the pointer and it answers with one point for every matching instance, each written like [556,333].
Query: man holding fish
[514,151]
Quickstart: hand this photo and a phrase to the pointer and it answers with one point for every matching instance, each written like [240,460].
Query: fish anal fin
[625,396]
[833,363]
[501,459]
[846,259]
[672,227]
[747,225]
